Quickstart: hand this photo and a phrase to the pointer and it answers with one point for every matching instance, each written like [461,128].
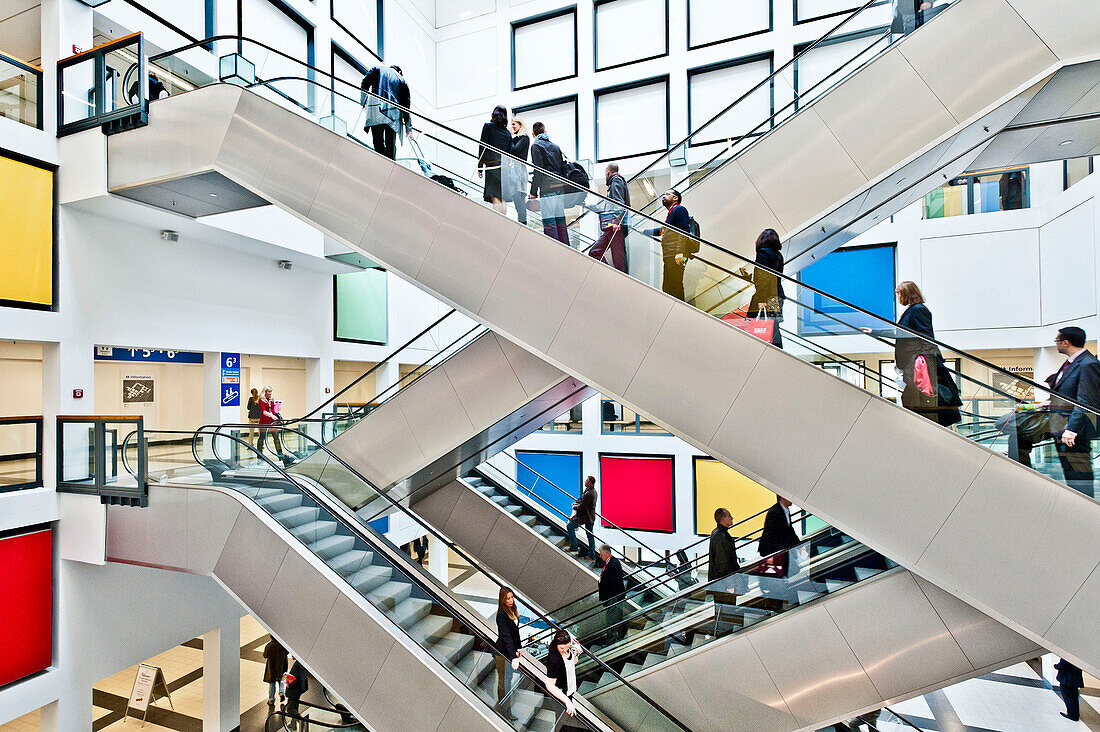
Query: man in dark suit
[386,99]
[584,514]
[611,590]
[1070,681]
[723,552]
[1078,379]
[546,157]
[778,535]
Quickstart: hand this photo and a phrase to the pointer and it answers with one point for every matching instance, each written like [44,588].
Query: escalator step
[280,502]
[332,546]
[369,578]
[475,667]
[314,531]
[297,516]
[833,585]
[453,647]
[351,562]
[391,594]
[412,611]
[863,573]
[432,628]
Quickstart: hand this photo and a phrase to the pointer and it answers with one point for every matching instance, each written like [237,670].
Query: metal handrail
[361,526]
[888,324]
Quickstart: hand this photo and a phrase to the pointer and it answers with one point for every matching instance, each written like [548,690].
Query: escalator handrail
[656,607]
[360,529]
[888,325]
[687,568]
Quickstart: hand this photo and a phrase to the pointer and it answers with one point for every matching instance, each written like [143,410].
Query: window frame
[533,20]
[380,40]
[768,56]
[605,91]
[708,44]
[596,5]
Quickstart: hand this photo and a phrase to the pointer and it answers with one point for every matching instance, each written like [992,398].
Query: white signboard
[148,683]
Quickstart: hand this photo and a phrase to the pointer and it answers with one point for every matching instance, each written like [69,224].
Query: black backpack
[578,176]
[448,182]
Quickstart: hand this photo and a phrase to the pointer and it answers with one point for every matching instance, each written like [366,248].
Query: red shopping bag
[761,326]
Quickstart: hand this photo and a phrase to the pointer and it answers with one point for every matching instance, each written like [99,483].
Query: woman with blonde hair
[508,644]
[515,172]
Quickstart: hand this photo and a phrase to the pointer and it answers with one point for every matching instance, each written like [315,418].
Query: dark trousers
[520,201]
[385,141]
[613,620]
[615,240]
[1077,465]
[571,532]
[264,431]
[673,280]
[1071,695]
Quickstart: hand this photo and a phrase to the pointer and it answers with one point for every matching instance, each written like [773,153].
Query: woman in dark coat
[521,146]
[508,644]
[938,399]
[769,293]
[297,684]
[494,138]
[274,668]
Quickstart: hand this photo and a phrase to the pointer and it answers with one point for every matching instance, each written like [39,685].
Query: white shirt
[570,675]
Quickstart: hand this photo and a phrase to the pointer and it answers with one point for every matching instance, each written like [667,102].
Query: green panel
[361,306]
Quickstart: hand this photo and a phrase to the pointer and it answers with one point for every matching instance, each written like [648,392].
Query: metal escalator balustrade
[445,626]
[723,283]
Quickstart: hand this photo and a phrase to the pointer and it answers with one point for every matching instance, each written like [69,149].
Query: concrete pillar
[386,376]
[214,412]
[1047,361]
[221,679]
[320,377]
[438,559]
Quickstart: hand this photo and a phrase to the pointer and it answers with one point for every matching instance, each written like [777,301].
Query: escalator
[391,641]
[712,385]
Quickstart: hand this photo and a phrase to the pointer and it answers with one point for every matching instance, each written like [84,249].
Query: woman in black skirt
[494,138]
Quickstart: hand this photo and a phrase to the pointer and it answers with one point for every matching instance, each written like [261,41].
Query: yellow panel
[717,485]
[26,233]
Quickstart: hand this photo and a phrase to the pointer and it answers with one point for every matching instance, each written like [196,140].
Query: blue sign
[146,355]
[231,379]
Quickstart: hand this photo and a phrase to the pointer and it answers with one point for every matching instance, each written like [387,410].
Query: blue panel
[158,355]
[561,469]
[381,525]
[863,276]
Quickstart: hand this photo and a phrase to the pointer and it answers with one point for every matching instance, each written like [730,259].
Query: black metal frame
[637,423]
[750,34]
[37,454]
[768,56]
[125,117]
[522,23]
[971,179]
[526,109]
[799,49]
[1065,171]
[380,40]
[596,5]
[651,81]
[99,485]
[37,73]
[208,21]
[311,53]
[672,497]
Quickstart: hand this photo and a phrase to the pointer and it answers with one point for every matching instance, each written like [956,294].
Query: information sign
[231,379]
[148,684]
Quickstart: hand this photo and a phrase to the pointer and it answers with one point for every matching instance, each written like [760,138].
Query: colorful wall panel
[26,614]
[636,492]
[563,469]
[717,484]
[26,234]
[361,306]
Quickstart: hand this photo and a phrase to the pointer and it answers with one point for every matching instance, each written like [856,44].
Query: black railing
[101,100]
[89,451]
[24,82]
[20,453]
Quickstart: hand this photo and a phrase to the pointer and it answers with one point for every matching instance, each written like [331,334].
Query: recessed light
[1063,143]
[213,195]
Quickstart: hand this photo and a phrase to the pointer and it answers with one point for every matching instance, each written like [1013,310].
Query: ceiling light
[1063,143]
[213,195]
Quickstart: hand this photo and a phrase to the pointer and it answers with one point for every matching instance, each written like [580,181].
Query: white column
[64,23]
[1047,361]
[320,377]
[386,376]
[214,413]
[437,559]
[69,712]
[221,679]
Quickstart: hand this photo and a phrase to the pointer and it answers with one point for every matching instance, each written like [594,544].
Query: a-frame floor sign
[148,683]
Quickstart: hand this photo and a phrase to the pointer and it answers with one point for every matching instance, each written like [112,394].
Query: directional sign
[231,379]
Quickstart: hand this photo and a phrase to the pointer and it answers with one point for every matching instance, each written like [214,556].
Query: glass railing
[631,640]
[644,589]
[959,389]
[92,459]
[306,500]
[20,453]
[20,91]
[92,90]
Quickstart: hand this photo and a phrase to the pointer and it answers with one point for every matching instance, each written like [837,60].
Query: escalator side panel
[344,641]
[523,558]
[875,643]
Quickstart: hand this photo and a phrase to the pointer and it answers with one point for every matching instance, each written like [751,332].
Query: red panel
[26,612]
[636,492]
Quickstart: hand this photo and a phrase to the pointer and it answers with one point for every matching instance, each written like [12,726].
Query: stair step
[297,516]
[368,578]
[280,502]
[805,597]
[332,546]
[256,492]
[832,585]
[391,594]
[863,573]
[475,667]
[412,611]
[453,647]
[432,628]
[314,531]
[351,562]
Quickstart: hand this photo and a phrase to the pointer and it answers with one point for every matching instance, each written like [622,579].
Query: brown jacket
[276,662]
[586,507]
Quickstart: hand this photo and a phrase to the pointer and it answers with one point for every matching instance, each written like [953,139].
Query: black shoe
[1072,719]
